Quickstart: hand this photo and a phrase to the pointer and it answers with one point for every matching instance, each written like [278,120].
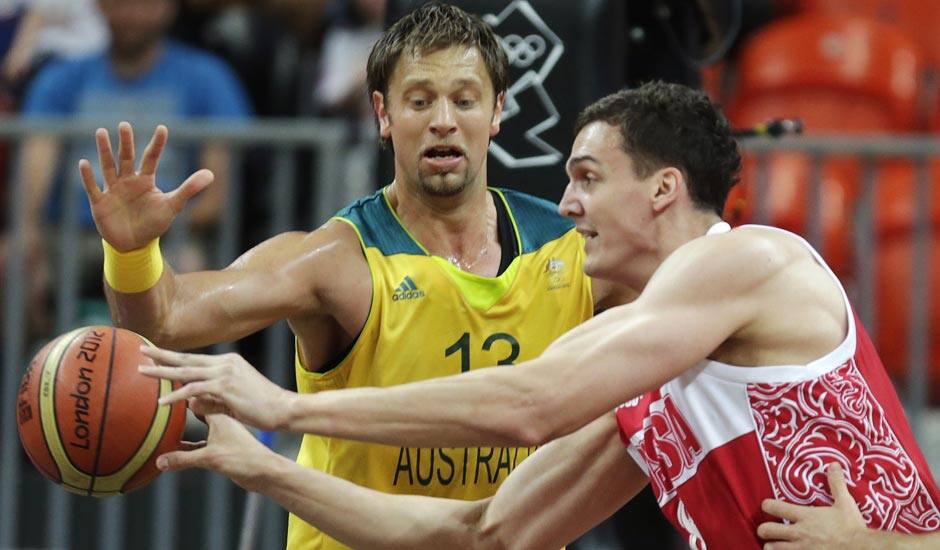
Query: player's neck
[462,228]
[682,227]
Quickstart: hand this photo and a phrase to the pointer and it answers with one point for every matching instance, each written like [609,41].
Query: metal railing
[197,509]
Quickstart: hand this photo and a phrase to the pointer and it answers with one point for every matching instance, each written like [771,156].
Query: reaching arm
[266,284]
[837,527]
[277,279]
[554,496]
[692,305]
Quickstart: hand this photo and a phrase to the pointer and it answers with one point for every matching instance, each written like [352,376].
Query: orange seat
[860,67]
[838,75]
[896,197]
[920,19]
[895,217]
[893,292]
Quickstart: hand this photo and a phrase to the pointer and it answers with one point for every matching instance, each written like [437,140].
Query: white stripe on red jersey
[719,439]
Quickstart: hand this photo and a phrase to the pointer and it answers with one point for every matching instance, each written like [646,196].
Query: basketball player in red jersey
[739,374]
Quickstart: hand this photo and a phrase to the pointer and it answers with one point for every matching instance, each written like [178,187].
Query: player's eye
[418,102]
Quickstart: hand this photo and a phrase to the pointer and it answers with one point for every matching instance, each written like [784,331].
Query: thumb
[193,184]
[837,486]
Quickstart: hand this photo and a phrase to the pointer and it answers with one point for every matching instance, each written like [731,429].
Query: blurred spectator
[34,31]
[353,27]
[142,77]
[272,44]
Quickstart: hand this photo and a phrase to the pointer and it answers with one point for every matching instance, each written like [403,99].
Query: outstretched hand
[230,450]
[838,526]
[130,210]
[221,383]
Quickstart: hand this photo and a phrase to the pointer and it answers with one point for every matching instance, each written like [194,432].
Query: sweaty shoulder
[795,305]
[333,246]
[737,262]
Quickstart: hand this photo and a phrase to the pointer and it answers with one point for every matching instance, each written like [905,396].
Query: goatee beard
[443,189]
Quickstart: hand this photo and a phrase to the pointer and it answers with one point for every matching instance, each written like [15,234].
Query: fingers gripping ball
[89,420]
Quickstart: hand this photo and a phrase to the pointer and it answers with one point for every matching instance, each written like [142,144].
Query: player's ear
[667,184]
[381,114]
[497,113]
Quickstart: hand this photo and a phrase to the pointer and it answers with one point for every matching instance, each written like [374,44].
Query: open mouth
[443,152]
[586,233]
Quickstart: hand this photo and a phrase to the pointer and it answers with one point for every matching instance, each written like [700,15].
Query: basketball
[88,420]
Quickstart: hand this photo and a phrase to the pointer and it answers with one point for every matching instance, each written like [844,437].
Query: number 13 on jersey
[505,344]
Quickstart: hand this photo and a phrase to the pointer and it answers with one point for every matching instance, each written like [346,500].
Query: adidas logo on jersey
[407,290]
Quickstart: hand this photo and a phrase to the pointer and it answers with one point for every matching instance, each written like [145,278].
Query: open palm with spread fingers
[130,210]
[222,382]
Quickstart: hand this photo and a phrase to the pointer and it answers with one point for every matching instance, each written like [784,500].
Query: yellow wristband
[133,271]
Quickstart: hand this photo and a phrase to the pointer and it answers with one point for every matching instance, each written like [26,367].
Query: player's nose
[570,206]
[443,121]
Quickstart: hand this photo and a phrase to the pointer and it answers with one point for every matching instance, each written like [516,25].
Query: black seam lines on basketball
[55,411]
[143,441]
[104,413]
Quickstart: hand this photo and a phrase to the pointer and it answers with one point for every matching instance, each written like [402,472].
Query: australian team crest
[557,272]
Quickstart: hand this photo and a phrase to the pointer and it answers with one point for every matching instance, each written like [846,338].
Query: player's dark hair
[432,27]
[664,124]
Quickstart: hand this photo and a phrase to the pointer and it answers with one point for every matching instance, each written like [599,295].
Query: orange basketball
[88,420]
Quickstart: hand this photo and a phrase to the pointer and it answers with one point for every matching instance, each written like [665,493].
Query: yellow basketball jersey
[428,319]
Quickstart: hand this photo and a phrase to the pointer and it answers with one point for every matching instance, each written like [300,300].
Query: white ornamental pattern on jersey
[803,427]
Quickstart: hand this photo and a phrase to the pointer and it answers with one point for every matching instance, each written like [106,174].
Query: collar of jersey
[479,291]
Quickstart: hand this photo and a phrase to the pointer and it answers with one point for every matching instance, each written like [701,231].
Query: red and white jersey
[719,439]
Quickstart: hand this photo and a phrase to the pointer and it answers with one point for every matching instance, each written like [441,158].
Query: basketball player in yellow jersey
[434,275]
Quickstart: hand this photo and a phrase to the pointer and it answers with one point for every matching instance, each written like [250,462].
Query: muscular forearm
[364,518]
[488,407]
[580,377]
[189,310]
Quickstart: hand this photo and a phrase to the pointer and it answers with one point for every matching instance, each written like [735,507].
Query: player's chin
[595,268]
[445,184]
[589,269]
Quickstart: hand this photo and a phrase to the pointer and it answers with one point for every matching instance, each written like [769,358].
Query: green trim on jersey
[380,227]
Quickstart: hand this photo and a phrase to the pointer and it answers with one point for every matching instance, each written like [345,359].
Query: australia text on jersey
[457,466]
